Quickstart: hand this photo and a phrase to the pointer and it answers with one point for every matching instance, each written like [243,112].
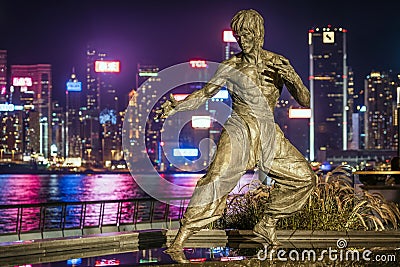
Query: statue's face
[246,41]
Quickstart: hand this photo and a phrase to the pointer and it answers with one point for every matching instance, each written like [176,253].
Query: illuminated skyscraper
[30,116]
[131,128]
[11,132]
[330,101]
[354,132]
[90,111]
[92,86]
[100,115]
[73,144]
[35,81]
[58,141]
[147,81]
[380,101]
[3,76]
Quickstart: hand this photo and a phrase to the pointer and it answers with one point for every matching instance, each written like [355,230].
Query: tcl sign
[200,64]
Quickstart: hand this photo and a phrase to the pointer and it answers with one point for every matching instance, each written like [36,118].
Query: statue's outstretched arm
[195,99]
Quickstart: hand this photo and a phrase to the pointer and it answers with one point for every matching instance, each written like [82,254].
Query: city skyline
[58,34]
[92,128]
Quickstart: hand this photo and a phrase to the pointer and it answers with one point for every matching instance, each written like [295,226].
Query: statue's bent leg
[294,183]
[209,197]
[294,180]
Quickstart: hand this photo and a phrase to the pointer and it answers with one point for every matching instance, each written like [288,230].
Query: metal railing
[79,217]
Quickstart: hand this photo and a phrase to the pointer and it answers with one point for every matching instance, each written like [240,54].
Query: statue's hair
[250,20]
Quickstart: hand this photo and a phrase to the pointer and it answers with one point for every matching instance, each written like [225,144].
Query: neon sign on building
[22,81]
[107,66]
[299,113]
[198,64]
[228,37]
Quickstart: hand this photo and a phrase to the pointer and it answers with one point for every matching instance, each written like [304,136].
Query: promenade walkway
[210,247]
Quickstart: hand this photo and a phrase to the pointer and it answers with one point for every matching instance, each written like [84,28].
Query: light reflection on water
[33,188]
[141,257]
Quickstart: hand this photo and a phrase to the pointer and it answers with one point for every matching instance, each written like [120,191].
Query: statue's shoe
[267,231]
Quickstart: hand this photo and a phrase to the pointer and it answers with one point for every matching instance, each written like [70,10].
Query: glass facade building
[331,95]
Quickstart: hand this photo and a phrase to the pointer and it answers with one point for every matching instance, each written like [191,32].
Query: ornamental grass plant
[334,205]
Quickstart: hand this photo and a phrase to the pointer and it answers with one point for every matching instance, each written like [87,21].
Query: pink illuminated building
[32,86]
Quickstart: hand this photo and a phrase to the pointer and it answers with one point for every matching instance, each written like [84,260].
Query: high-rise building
[380,116]
[109,119]
[57,148]
[11,132]
[73,144]
[90,112]
[33,84]
[100,75]
[92,86]
[147,81]
[100,114]
[358,129]
[110,135]
[3,76]
[131,128]
[329,88]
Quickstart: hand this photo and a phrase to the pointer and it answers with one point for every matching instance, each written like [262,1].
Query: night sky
[170,32]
